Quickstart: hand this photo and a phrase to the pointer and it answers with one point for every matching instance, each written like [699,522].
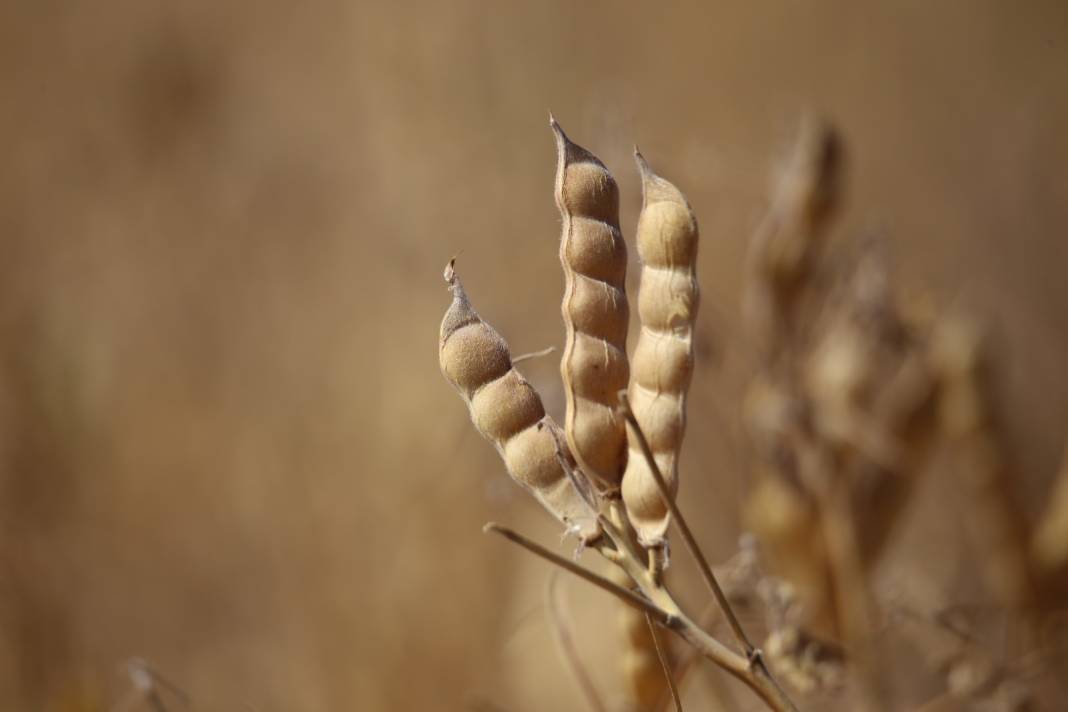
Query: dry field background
[225,443]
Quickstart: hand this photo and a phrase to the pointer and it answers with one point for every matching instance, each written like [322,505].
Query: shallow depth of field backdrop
[224,442]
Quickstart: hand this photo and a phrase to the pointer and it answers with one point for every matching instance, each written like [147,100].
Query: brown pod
[663,359]
[594,257]
[781,255]
[508,412]
[1049,541]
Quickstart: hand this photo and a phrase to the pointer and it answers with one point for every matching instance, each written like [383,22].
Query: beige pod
[663,358]
[507,410]
[786,243]
[594,257]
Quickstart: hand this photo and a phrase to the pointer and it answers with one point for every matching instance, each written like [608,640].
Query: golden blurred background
[225,443]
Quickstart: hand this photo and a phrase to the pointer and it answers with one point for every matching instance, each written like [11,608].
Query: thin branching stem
[757,667]
[566,644]
[664,665]
[661,608]
[616,590]
[684,529]
[533,354]
[750,669]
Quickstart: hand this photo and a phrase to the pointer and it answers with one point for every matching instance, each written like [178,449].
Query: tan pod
[663,359]
[594,257]
[507,410]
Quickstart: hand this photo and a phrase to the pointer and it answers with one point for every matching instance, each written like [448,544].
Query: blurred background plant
[226,445]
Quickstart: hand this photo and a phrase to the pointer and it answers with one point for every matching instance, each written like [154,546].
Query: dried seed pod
[808,664]
[1049,541]
[663,358]
[508,412]
[780,257]
[594,257]
[969,413]
[787,521]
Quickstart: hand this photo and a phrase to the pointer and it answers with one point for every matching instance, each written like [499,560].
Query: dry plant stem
[636,659]
[566,643]
[687,535]
[664,664]
[853,594]
[686,662]
[750,669]
[757,669]
[619,592]
[662,608]
[533,354]
[678,674]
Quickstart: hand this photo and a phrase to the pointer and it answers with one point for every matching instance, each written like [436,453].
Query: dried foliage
[226,447]
[853,387]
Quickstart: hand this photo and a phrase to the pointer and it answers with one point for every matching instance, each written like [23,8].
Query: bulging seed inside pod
[596,314]
[508,411]
[663,359]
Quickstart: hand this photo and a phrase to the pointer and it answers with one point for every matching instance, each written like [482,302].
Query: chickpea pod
[508,412]
[663,358]
[594,257]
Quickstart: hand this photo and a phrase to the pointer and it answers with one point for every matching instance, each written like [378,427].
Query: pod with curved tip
[663,359]
[508,412]
[595,310]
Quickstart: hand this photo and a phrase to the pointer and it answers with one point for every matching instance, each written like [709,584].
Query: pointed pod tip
[643,165]
[489,527]
[656,188]
[450,271]
[460,312]
[819,141]
[453,281]
[564,146]
[561,137]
